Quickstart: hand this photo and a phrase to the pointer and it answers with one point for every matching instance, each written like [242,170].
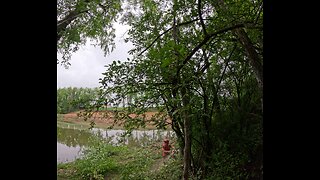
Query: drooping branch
[63,23]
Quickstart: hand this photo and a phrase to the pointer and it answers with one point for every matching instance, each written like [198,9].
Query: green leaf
[165,63]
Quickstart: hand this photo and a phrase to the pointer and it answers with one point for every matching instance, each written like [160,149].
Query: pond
[71,141]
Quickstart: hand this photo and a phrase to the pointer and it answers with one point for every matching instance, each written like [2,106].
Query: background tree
[82,20]
[75,99]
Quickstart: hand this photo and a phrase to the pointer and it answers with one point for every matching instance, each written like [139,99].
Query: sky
[87,64]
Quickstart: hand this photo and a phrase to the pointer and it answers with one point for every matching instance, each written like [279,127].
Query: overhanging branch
[62,24]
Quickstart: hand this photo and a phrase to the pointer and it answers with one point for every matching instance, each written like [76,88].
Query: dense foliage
[81,20]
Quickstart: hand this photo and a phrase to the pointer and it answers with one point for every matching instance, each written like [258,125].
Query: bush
[97,160]
[225,165]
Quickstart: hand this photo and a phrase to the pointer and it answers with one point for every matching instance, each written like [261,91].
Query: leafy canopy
[82,20]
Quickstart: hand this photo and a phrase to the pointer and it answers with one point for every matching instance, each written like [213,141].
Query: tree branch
[201,20]
[181,24]
[104,8]
[259,11]
[224,70]
[63,23]
[207,63]
[204,41]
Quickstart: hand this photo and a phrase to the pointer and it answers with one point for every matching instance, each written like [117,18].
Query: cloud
[87,65]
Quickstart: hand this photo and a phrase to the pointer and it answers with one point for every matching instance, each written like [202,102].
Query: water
[66,153]
[71,141]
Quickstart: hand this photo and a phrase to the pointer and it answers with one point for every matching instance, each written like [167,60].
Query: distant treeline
[73,99]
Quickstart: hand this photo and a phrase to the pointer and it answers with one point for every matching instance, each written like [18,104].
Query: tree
[82,20]
[74,99]
[197,64]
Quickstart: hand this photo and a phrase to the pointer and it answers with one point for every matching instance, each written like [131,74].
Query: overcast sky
[88,63]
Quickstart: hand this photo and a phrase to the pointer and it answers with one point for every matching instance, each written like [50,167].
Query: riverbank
[102,121]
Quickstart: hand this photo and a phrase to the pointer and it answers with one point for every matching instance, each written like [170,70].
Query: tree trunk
[185,102]
[187,138]
[254,58]
[176,128]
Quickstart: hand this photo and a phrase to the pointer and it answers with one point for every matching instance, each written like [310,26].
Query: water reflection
[66,153]
[144,137]
[74,137]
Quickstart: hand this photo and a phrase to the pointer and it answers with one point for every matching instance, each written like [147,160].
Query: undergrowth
[102,160]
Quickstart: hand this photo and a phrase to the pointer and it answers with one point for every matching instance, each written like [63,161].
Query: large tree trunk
[185,102]
[254,59]
[176,128]
[187,136]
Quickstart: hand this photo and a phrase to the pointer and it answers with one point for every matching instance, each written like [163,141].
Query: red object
[165,148]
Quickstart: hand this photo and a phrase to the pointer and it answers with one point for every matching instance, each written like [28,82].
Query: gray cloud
[88,63]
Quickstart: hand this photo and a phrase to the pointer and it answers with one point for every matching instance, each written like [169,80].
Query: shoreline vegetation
[104,161]
[121,162]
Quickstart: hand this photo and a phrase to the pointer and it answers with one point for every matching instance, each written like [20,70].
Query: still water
[71,141]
